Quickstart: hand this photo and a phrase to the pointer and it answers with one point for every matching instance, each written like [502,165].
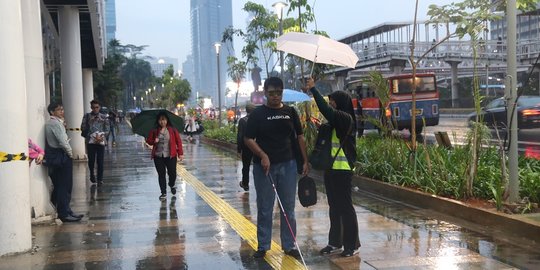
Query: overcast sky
[163,25]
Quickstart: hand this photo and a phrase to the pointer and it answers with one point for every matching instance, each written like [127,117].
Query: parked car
[528,113]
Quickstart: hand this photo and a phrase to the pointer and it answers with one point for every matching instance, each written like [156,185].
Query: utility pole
[511,96]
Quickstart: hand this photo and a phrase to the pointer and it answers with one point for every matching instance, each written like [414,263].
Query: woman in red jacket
[166,147]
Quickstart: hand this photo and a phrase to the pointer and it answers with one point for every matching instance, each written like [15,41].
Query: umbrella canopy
[145,121]
[317,49]
[294,96]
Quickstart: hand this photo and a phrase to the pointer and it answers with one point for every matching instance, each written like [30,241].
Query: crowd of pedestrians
[267,137]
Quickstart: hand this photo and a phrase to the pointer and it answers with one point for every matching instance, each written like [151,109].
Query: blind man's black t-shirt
[273,130]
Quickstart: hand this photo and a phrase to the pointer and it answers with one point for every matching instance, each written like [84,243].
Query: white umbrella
[317,49]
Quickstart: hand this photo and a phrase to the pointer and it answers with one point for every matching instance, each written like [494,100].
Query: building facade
[110,20]
[159,65]
[209,19]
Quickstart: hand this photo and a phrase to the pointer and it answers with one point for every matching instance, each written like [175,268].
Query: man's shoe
[245,187]
[329,250]
[173,190]
[293,252]
[100,182]
[70,219]
[349,252]
[92,179]
[163,196]
[79,216]
[259,254]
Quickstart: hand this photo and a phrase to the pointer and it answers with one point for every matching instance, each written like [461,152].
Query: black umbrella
[145,121]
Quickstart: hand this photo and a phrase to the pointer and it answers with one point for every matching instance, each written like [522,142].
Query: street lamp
[134,102]
[279,6]
[142,105]
[217,45]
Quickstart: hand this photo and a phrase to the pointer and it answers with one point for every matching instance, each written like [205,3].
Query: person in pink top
[35,152]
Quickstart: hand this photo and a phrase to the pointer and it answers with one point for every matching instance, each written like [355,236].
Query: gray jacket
[56,136]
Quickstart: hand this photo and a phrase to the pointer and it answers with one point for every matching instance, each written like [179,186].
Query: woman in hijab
[337,180]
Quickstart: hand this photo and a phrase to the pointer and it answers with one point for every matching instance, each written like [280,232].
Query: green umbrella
[145,121]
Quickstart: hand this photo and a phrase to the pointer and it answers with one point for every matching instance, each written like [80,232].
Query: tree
[108,85]
[237,71]
[175,89]
[137,76]
[469,17]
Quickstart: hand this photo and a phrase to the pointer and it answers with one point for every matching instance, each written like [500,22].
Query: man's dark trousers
[95,150]
[62,179]
[247,155]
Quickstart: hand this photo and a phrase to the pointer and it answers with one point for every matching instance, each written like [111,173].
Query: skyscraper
[209,19]
[110,20]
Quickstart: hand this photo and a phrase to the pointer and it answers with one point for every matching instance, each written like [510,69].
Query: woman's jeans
[284,177]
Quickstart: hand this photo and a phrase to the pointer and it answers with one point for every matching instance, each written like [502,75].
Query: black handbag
[54,157]
[307,191]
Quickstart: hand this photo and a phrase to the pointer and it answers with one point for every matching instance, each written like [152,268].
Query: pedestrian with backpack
[95,129]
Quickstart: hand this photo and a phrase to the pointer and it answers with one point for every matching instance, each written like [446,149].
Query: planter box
[515,225]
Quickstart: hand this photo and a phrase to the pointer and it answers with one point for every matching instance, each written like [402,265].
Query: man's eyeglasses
[95,107]
[275,93]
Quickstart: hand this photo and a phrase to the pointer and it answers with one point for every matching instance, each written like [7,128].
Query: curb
[511,224]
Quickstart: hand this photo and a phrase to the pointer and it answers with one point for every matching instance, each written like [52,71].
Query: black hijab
[344,103]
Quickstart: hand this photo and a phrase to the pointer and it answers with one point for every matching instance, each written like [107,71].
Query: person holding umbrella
[166,151]
[338,179]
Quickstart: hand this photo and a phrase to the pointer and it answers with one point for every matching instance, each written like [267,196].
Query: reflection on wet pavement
[126,226]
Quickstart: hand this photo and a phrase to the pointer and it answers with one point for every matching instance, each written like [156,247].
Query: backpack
[307,191]
[320,158]
[84,131]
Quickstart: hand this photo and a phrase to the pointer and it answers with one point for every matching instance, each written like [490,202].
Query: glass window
[405,85]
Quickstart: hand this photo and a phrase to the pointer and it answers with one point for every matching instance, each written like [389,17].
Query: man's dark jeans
[95,150]
[162,164]
[62,179]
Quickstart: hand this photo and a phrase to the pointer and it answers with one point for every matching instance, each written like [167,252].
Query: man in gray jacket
[95,126]
[61,175]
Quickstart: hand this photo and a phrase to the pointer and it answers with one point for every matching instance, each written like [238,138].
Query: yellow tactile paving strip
[244,227]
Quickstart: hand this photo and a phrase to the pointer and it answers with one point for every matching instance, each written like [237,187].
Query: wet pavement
[210,224]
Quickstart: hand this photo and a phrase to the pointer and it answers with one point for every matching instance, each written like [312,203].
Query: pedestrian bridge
[388,48]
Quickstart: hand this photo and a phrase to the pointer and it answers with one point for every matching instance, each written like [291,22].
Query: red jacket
[175,143]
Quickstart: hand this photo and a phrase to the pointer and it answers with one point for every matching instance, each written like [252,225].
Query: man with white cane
[270,136]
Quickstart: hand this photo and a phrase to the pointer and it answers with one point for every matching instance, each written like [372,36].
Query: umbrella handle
[311,73]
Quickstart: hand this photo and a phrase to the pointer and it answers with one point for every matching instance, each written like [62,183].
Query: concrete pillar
[455,83]
[46,83]
[72,86]
[88,89]
[36,103]
[15,223]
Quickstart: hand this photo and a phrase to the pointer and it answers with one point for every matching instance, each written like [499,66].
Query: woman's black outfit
[343,221]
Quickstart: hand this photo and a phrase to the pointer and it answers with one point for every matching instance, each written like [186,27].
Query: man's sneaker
[245,187]
[173,190]
[349,252]
[92,179]
[259,254]
[329,250]
[293,252]
[163,197]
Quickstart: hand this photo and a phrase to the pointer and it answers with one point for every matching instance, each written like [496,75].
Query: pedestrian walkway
[210,224]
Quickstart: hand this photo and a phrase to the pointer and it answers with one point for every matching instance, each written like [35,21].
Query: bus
[399,108]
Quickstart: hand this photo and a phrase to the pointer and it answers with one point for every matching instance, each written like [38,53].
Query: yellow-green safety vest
[341,162]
